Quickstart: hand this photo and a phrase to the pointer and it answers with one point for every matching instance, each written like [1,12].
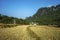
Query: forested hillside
[46,16]
[11,20]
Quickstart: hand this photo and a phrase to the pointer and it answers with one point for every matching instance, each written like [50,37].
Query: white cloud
[49,5]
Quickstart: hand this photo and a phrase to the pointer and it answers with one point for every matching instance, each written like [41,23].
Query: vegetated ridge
[46,16]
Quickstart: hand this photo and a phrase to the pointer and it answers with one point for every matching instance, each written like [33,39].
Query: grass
[30,32]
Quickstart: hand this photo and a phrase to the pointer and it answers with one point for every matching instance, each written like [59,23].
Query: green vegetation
[7,25]
[11,20]
[6,21]
[46,16]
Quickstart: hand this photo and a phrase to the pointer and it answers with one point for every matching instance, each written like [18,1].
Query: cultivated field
[30,32]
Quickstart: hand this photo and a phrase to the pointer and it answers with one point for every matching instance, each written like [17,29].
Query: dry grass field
[30,32]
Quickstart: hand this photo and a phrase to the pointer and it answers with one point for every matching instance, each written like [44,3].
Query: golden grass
[30,32]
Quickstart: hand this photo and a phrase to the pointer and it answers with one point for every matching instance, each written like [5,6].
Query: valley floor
[30,32]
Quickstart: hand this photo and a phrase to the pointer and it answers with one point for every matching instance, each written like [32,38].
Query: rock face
[46,15]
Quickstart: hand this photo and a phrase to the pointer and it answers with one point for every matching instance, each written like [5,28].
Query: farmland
[30,32]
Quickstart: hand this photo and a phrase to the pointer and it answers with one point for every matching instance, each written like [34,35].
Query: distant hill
[46,16]
[11,20]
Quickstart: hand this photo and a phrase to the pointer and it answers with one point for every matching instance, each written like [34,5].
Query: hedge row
[7,25]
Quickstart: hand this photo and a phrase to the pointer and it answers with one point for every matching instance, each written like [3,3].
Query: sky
[24,8]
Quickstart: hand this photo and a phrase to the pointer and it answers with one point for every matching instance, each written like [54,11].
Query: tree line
[4,19]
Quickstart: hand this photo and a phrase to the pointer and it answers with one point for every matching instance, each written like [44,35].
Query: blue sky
[24,8]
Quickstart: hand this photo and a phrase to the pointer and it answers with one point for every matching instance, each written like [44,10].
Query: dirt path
[32,35]
[28,34]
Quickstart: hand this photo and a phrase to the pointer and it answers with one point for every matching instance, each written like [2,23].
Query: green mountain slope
[46,15]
